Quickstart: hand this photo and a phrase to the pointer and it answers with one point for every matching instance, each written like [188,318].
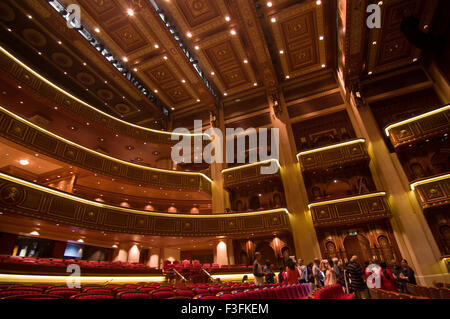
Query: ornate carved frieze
[334,155]
[350,210]
[420,127]
[20,131]
[28,199]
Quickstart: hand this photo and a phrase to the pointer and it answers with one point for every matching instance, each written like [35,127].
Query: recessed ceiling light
[29,17]
[156,91]
[114,246]
[415,60]
[34,233]
[183,81]
[225,93]
[9,29]
[323,65]
[273,19]
[227,18]
[321,38]
[130,12]
[19,87]
[370,72]
[212,73]
[281,51]
[269,3]
[40,53]
[80,240]
[84,63]
[318,2]
[197,47]
[125,59]
[24,162]
[156,46]
[97,30]
[287,76]
[135,69]
[255,84]
[245,61]
[380,3]
[198,100]
[233,32]
[172,108]
[165,57]
[374,43]
[189,35]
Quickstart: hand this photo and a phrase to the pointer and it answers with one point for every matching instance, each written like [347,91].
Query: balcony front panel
[247,173]
[22,132]
[350,210]
[28,78]
[334,155]
[433,192]
[420,128]
[32,200]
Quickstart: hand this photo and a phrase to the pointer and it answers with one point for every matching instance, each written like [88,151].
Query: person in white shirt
[303,271]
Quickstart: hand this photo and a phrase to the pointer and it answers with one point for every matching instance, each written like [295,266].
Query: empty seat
[33,296]
[162,294]
[132,295]
[185,292]
[92,296]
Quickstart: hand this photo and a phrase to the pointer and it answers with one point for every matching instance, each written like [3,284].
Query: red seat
[92,296]
[253,294]
[33,296]
[226,296]
[132,295]
[63,292]
[201,291]
[185,293]
[207,297]
[104,291]
[332,292]
[162,294]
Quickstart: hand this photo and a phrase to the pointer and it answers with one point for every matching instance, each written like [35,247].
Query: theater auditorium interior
[95,96]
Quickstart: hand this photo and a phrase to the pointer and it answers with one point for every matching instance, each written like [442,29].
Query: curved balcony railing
[353,151]
[350,210]
[25,198]
[23,132]
[31,79]
[433,191]
[248,172]
[419,128]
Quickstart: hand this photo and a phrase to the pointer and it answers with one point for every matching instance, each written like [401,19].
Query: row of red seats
[152,291]
[56,262]
[333,292]
[186,264]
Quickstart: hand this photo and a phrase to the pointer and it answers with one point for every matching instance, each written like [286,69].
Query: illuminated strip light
[86,279]
[252,164]
[237,276]
[346,199]
[183,47]
[429,180]
[90,106]
[15,116]
[76,24]
[415,118]
[329,147]
[128,210]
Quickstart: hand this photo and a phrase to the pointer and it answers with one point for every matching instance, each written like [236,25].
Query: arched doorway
[266,252]
[357,245]
[254,203]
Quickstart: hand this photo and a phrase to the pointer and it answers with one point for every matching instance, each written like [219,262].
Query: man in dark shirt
[258,269]
[357,283]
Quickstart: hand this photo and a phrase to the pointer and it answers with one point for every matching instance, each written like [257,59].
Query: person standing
[303,271]
[406,276]
[356,274]
[387,279]
[258,272]
[330,274]
[292,274]
[338,271]
[268,271]
[317,274]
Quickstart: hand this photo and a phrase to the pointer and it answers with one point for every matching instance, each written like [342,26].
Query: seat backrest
[33,296]
[185,292]
[162,294]
[132,295]
[226,296]
[92,296]
[64,292]
[105,291]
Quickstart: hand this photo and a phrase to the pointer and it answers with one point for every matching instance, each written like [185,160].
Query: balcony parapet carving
[433,192]
[29,199]
[248,173]
[353,151]
[419,128]
[27,77]
[20,131]
[350,210]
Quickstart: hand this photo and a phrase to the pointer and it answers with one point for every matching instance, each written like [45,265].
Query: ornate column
[411,231]
[305,240]
[220,197]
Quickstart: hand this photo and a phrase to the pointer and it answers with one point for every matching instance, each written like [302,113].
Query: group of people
[352,275]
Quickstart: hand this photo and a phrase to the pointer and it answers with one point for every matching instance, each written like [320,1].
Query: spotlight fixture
[24,162]
[130,12]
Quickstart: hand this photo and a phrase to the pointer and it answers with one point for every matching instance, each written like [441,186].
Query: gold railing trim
[429,180]
[324,148]
[346,199]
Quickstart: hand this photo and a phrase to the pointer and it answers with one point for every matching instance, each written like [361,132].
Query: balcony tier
[433,192]
[350,210]
[334,155]
[28,199]
[248,173]
[419,128]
